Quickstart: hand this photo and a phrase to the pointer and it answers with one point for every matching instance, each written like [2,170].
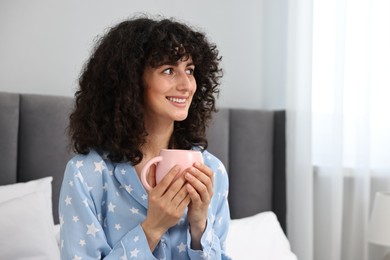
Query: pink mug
[166,160]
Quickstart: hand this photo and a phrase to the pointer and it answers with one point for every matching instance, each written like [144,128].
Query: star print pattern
[111,207]
[182,247]
[134,253]
[68,200]
[102,205]
[134,210]
[99,166]
[92,230]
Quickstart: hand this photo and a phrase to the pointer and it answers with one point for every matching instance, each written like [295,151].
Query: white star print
[209,236]
[105,186]
[182,247]
[220,220]
[225,194]
[123,257]
[79,164]
[75,218]
[134,253]
[82,242]
[78,175]
[71,183]
[144,196]
[123,171]
[68,200]
[205,255]
[136,238]
[89,187]
[134,210]
[111,207]
[76,257]
[221,168]
[61,220]
[92,230]
[128,188]
[99,167]
[85,201]
[212,218]
[117,226]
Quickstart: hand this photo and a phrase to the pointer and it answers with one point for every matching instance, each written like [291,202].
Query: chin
[179,118]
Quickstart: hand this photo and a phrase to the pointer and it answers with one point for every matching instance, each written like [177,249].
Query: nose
[184,81]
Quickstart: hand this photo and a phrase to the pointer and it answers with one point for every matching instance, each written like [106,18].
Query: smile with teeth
[177,100]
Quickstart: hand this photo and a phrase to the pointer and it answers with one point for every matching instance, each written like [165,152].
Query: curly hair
[109,111]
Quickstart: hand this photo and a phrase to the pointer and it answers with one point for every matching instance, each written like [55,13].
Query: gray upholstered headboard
[251,143]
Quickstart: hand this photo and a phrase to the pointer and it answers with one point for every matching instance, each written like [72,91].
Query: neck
[157,139]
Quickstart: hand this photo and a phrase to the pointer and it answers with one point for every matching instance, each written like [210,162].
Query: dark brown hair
[108,113]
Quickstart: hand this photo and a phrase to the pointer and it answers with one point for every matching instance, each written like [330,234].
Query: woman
[149,85]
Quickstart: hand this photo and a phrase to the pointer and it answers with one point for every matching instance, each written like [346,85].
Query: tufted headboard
[251,143]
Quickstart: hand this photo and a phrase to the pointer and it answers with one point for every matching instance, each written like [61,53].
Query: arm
[167,203]
[209,204]
[83,227]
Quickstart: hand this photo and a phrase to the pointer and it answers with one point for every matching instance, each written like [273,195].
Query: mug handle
[145,171]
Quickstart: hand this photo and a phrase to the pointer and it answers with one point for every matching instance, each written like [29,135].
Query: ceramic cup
[166,160]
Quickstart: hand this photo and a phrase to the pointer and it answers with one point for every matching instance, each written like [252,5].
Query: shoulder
[89,165]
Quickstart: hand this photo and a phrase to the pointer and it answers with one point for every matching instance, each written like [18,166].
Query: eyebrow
[176,64]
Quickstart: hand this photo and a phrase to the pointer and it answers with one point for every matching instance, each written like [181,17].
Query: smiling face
[169,89]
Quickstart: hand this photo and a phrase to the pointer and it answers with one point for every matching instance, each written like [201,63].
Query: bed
[34,150]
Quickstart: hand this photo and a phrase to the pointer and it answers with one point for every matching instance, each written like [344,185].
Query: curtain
[350,123]
[298,107]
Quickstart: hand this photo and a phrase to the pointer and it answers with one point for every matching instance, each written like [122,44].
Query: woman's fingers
[179,196]
[162,187]
[151,177]
[201,178]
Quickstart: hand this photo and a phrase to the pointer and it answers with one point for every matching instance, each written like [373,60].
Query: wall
[45,43]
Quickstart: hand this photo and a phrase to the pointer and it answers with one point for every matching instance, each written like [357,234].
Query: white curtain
[350,123]
[298,106]
[338,125]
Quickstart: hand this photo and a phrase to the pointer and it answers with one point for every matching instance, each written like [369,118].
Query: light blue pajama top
[102,205]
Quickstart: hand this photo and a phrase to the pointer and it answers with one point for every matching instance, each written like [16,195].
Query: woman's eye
[168,71]
[190,71]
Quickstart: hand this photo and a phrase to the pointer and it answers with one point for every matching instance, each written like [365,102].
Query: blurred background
[44,43]
[327,63]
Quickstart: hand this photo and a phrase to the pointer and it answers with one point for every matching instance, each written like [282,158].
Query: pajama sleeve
[83,233]
[214,236]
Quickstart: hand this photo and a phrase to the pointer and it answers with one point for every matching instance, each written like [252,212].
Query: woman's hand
[200,187]
[166,205]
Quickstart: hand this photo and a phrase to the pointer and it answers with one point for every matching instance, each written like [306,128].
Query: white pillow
[26,229]
[15,190]
[57,229]
[258,237]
